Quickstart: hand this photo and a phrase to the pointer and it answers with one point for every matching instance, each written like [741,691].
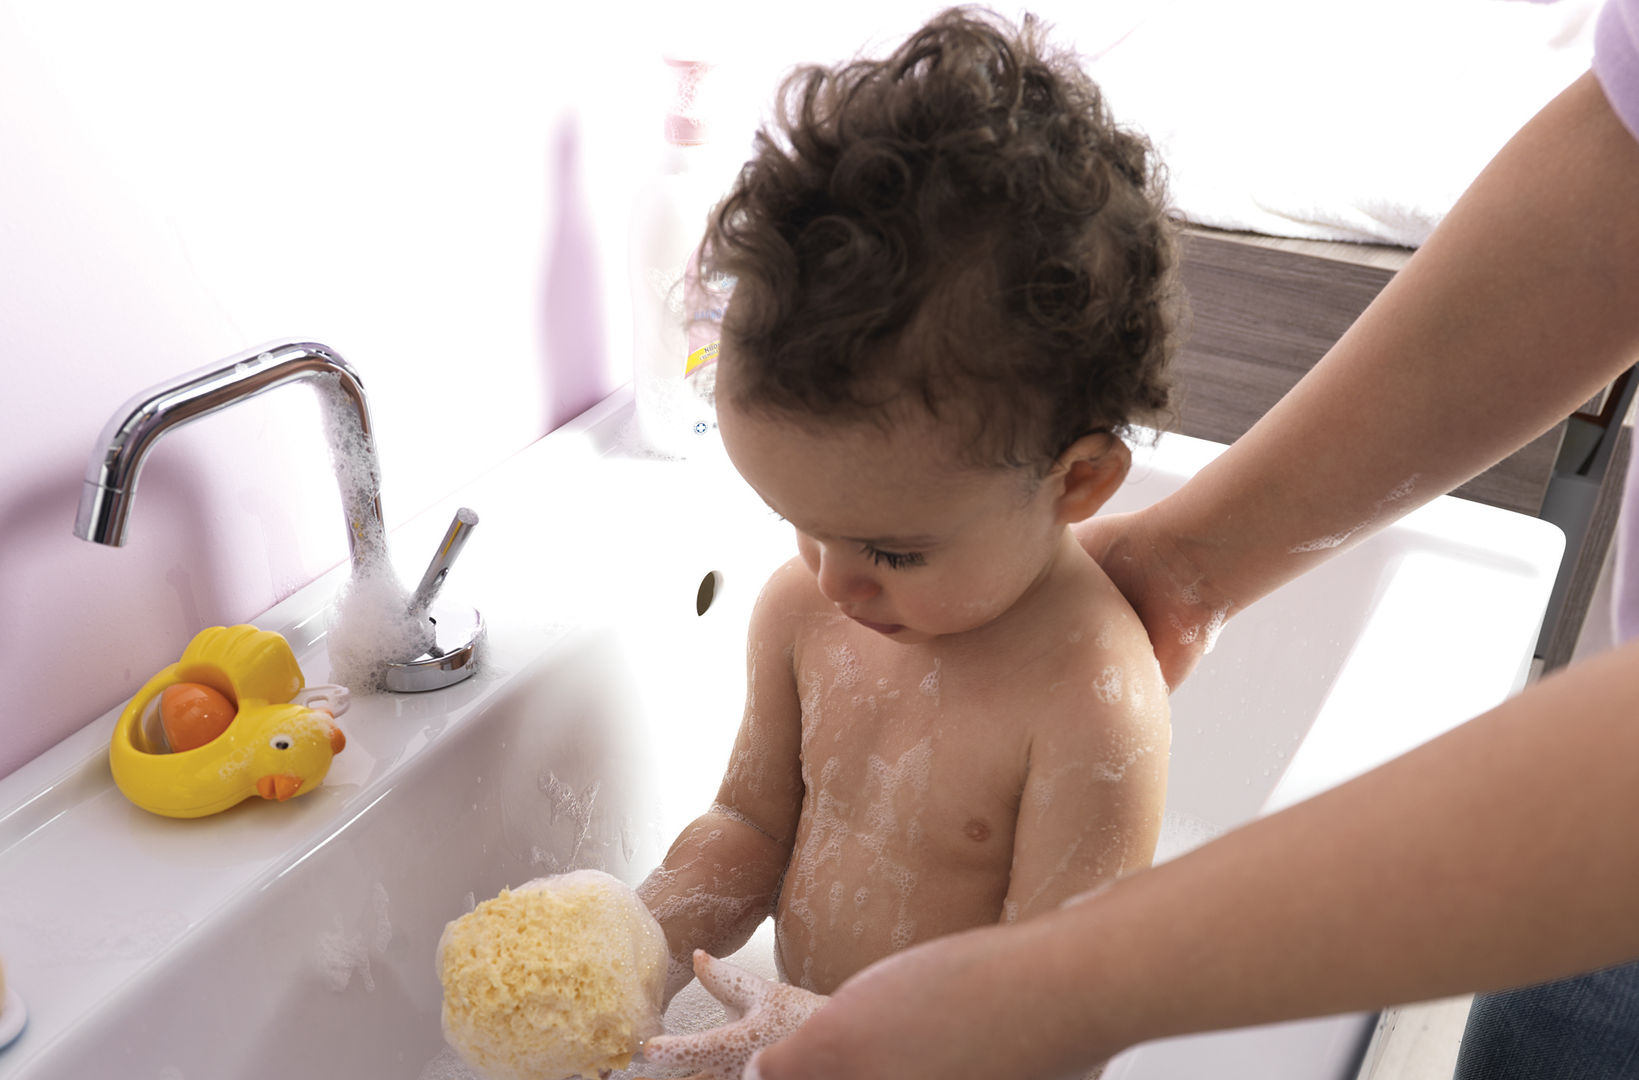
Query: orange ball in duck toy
[271,746]
[192,714]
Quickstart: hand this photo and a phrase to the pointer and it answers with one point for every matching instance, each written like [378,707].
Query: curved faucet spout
[111,476]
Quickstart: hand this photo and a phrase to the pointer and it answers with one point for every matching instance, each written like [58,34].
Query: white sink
[296,939]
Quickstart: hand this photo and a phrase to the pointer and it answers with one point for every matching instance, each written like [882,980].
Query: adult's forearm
[1518,308]
[1500,854]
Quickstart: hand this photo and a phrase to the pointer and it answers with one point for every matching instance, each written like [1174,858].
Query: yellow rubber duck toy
[229,720]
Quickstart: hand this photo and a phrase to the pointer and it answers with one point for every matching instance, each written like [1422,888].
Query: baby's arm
[722,874]
[1095,784]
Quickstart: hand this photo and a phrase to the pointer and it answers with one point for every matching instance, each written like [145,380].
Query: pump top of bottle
[686,123]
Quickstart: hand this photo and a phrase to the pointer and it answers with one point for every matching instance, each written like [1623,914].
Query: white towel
[1328,119]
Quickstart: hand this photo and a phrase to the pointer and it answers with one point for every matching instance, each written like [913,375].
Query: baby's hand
[759,1012]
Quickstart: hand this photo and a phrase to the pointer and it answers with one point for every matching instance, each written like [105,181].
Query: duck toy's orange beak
[278,788]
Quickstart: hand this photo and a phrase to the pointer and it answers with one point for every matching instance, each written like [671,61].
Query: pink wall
[174,189]
[441,199]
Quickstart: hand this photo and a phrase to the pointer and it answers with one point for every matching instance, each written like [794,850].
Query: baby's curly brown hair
[961,225]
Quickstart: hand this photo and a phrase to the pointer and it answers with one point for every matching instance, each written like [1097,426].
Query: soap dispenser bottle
[675,314]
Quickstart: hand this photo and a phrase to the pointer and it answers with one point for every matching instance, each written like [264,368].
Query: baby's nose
[843,583]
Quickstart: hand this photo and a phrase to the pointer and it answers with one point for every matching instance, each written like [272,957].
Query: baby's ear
[1088,473]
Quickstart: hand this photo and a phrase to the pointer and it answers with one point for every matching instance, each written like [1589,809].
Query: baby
[953,296]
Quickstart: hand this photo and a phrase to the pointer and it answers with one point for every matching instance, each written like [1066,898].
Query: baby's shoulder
[1106,677]
[790,600]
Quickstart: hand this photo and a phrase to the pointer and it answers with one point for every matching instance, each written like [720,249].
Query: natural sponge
[559,977]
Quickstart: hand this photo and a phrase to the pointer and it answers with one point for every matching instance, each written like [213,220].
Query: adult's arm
[1519,307]
[1499,854]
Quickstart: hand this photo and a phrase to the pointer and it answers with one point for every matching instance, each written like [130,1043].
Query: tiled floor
[1419,1042]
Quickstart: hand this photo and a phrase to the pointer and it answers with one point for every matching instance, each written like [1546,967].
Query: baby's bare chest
[902,759]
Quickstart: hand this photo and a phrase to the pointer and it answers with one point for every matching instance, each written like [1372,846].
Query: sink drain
[707,591]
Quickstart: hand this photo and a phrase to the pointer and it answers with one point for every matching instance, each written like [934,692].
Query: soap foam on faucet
[370,624]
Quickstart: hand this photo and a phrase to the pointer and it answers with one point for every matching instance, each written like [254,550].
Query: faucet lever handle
[455,539]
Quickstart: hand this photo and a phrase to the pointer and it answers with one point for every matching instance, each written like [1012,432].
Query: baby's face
[899,536]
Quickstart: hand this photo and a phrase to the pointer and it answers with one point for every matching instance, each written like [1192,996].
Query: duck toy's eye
[281,742]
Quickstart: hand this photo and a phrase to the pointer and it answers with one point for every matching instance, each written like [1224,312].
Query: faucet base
[457,634]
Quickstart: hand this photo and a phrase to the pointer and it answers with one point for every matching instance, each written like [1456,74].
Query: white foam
[930,683]
[370,623]
[1186,634]
[568,804]
[341,955]
[383,935]
[748,765]
[1041,790]
[447,1066]
[844,666]
[1107,687]
[1215,627]
[770,1010]
[1325,543]
[370,626]
[1113,772]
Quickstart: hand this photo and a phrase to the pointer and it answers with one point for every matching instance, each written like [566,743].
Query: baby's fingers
[717,1054]
[738,989]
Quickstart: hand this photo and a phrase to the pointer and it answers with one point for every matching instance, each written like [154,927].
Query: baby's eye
[895,560]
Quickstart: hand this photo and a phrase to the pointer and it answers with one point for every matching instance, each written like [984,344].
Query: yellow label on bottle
[700,357]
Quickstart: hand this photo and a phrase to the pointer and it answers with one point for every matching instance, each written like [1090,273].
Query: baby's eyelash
[895,560]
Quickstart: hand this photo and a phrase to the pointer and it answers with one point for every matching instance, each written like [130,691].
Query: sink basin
[290,939]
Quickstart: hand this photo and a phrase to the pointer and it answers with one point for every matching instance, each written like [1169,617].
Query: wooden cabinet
[1262,312]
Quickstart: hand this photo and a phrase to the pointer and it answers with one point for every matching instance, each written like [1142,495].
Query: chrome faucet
[116,461]
[111,476]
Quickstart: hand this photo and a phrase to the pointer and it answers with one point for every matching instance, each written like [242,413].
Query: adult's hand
[1166,585]
[949,1009]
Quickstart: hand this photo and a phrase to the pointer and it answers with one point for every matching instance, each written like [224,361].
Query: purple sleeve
[1616,58]
[1616,64]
